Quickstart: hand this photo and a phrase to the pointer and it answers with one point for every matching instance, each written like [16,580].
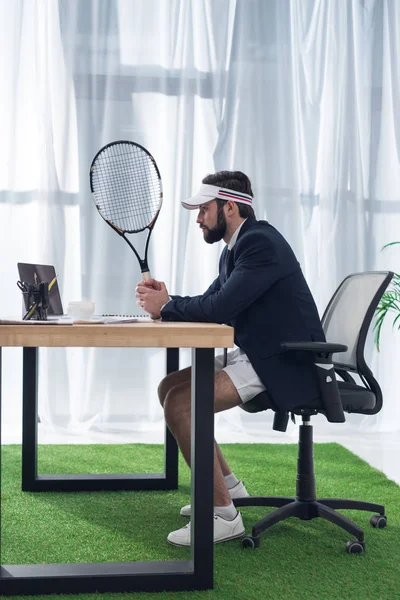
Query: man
[262,293]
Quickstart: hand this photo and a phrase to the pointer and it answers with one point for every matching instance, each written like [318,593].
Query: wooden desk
[194,574]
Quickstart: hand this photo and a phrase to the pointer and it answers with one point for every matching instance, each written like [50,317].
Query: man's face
[212,221]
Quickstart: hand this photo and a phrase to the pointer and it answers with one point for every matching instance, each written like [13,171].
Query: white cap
[207,193]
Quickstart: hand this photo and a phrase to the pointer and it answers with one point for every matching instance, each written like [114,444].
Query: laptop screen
[43,273]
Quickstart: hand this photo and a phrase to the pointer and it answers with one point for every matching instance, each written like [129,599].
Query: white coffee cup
[80,309]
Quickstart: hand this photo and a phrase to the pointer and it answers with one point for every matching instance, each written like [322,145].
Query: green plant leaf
[390,244]
[378,335]
[390,302]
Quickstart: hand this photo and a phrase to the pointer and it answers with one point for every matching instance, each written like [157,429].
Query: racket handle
[146,275]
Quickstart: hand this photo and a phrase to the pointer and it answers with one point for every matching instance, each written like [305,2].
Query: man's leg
[177,404]
[225,468]
[177,378]
[228,522]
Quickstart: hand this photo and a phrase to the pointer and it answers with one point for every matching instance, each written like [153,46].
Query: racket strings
[126,187]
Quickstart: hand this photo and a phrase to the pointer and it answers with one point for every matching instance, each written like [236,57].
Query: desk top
[128,335]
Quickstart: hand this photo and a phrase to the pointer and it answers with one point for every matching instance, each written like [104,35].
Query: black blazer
[261,292]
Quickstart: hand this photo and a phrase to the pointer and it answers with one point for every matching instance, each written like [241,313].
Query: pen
[30,312]
[52,282]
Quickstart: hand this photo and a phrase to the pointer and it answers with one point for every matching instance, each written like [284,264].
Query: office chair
[346,322]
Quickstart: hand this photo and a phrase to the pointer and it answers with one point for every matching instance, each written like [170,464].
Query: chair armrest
[324,347]
[322,358]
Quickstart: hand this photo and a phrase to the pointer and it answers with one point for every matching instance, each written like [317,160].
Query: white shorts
[241,373]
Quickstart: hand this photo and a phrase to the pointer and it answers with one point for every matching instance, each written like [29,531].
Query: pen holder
[36,300]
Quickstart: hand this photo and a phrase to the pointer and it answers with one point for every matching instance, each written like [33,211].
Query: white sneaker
[239,491]
[223,531]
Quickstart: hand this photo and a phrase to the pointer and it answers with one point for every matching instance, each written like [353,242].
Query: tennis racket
[127,191]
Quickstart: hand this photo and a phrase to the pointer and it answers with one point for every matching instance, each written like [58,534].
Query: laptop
[29,272]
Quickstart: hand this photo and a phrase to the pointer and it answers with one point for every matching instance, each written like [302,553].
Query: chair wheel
[378,521]
[355,547]
[250,542]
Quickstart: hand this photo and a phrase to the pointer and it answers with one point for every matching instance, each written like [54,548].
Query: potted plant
[390,302]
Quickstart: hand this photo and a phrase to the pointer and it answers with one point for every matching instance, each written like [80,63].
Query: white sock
[231,480]
[226,512]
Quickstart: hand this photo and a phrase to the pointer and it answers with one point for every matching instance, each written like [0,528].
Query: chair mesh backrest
[346,313]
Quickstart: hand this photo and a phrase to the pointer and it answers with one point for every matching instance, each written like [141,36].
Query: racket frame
[122,232]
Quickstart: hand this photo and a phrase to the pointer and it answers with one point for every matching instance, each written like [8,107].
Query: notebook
[29,272]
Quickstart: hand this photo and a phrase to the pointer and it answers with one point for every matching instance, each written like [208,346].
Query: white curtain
[302,95]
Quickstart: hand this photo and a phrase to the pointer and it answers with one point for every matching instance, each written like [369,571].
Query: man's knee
[165,386]
[163,389]
[177,403]
[171,381]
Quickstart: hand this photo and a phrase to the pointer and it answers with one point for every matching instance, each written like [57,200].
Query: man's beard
[216,233]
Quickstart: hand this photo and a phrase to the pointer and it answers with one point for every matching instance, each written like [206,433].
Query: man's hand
[153,283]
[151,296]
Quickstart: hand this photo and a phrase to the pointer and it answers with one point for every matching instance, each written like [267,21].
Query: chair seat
[259,403]
[356,398]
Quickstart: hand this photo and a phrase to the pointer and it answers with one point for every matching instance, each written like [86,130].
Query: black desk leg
[170,445]
[0,450]
[29,418]
[178,575]
[32,482]
[202,464]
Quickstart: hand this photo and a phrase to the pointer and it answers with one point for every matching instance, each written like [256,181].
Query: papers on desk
[14,321]
[68,321]
[112,320]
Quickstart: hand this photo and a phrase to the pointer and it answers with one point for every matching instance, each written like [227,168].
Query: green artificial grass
[296,559]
